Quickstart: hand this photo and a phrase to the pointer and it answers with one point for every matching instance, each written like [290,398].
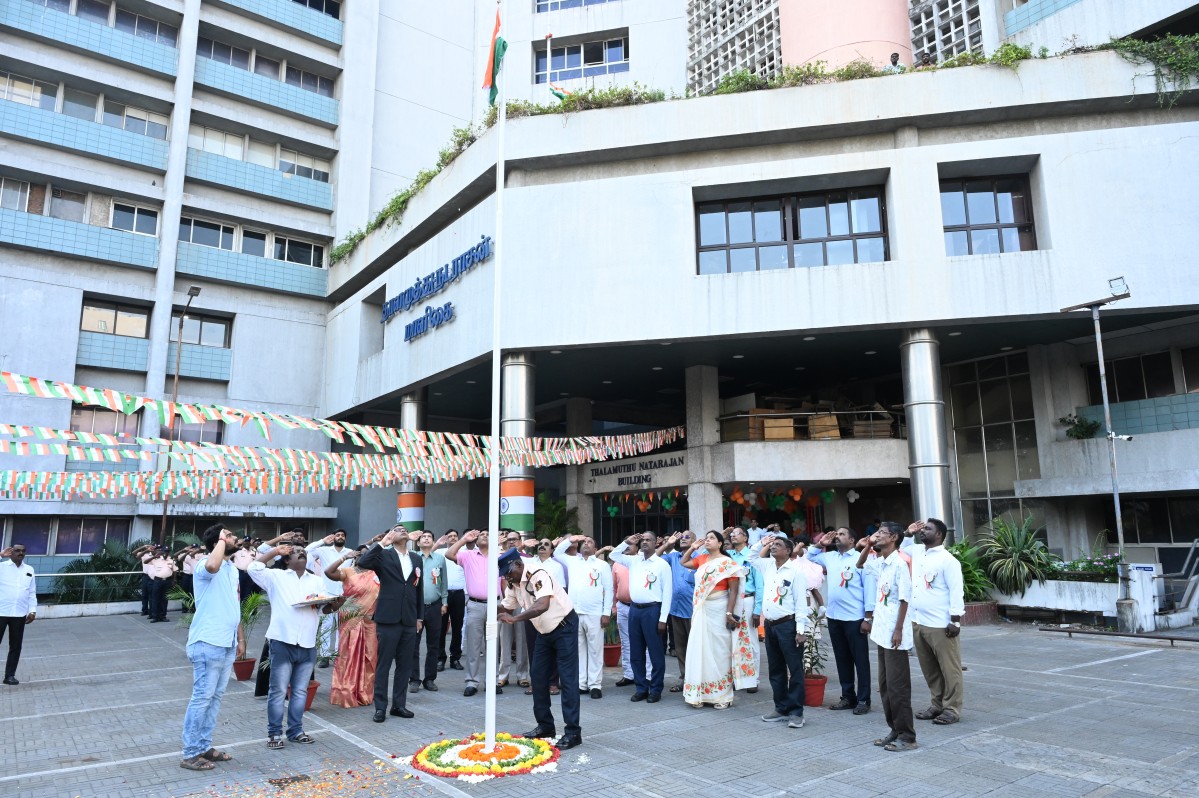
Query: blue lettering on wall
[431,319]
[438,281]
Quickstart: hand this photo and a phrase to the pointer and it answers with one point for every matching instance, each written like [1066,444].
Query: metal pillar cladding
[924,405]
[410,502]
[517,372]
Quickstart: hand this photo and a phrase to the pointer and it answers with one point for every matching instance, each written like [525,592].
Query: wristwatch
[957,624]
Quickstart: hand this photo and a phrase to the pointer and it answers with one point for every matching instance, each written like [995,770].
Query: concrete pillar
[704,497]
[410,502]
[924,404]
[517,372]
[578,424]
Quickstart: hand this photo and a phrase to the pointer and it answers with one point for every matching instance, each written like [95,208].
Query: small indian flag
[559,92]
[495,57]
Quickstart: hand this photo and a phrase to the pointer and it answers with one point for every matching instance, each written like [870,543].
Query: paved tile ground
[99,710]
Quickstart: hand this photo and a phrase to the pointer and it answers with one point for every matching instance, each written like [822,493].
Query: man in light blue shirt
[682,594]
[850,610]
[214,640]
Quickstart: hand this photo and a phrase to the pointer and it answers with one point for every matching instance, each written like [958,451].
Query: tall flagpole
[493,500]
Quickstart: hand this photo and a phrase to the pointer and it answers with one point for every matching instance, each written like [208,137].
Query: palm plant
[1014,556]
[109,558]
[975,584]
[553,519]
[815,657]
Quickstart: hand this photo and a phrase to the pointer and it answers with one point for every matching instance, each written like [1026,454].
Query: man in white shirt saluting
[937,607]
[18,605]
[593,598]
[650,588]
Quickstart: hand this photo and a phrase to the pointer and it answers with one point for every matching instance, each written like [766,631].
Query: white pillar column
[704,499]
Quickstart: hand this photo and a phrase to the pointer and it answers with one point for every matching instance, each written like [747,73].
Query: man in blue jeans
[291,637]
[213,641]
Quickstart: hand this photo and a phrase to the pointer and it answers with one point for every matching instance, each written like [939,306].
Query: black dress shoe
[380,716]
[401,712]
[844,703]
[623,682]
[596,692]
[540,731]
[456,665]
[568,741]
[472,690]
[430,685]
[441,666]
[499,690]
[654,698]
[639,696]
[583,691]
[10,680]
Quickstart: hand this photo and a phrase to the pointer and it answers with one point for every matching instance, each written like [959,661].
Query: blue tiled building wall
[1031,13]
[31,231]
[234,267]
[253,88]
[219,170]
[106,351]
[294,16]
[201,362]
[1164,414]
[81,34]
[69,133]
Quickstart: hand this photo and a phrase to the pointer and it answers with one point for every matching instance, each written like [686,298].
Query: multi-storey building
[860,300]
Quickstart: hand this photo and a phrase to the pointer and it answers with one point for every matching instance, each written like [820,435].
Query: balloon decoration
[795,494]
[668,503]
[827,496]
[852,496]
[813,501]
[776,501]
[737,497]
[751,499]
[789,506]
[643,505]
[612,510]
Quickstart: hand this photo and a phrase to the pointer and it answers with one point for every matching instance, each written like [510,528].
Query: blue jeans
[291,666]
[210,674]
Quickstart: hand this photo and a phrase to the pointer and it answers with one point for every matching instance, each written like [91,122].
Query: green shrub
[963,59]
[1175,61]
[1010,55]
[740,81]
[975,584]
[802,75]
[1014,556]
[856,70]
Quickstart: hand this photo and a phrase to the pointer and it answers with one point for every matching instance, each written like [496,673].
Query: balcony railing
[263,91]
[1163,414]
[82,35]
[824,425]
[308,23]
[68,133]
[89,242]
[239,269]
[217,170]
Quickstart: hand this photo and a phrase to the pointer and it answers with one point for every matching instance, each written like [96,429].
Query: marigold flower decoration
[466,758]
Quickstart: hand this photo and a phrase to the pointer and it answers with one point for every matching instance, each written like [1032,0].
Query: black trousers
[785,660]
[158,598]
[262,677]
[452,626]
[432,636]
[531,646]
[15,626]
[852,653]
[188,584]
[895,691]
[146,580]
[558,648]
[397,644]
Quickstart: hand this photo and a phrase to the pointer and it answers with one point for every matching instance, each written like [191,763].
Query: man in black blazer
[398,614]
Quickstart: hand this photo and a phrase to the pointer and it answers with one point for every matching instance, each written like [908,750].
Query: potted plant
[1014,557]
[611,644]
[814,659]
[251,613]
[976,587]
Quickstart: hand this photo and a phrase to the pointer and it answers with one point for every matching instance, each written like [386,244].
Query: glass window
[986,216]
[253,243]
[95,10]
[201,330]
[32,533]
[712,232]
[67,205]
[134,219]
[267,67]
[114,114]
[302,252]
[14,194]
[99,318]
[100,421]
[1159,375]
[27,91]
[206,432]
[80,104]
[126,21]
[132,322]
[261,153]
[125,320]
[1190,367]
[86,535]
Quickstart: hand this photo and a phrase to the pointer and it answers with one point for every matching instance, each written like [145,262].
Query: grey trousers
[512,636]
[475,644]
[895,690]
[941,662]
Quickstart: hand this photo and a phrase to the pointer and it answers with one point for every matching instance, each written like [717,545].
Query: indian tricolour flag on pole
[495,57]
[559,92]
[516,504]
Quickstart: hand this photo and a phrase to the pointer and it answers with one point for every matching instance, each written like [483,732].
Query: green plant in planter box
[611,633]
[815,657]
[1014,556]
[975,584]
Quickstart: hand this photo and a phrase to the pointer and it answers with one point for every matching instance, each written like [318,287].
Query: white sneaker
[795,722]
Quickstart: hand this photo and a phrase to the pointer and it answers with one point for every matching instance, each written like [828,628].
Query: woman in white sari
[719,658]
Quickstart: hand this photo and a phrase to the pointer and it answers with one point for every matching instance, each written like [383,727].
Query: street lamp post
[192,293]
[1119,291]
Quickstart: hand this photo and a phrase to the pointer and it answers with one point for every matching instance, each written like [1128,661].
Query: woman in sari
[358,648]
[719,657]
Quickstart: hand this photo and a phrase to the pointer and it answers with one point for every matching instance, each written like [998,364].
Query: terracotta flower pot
[313,686]
[813,690]
[243,669]
[611,655]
